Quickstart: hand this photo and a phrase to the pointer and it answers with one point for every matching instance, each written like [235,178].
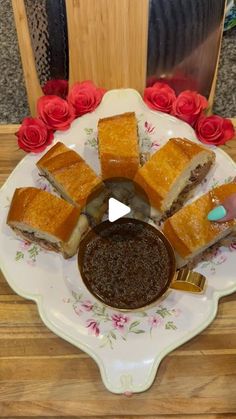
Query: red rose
[55,112]
[85,97]
[34,135]
[56,87]
[188,106]
[214,130]
[160,97]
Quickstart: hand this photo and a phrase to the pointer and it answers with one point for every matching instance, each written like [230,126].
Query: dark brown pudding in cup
[127,264]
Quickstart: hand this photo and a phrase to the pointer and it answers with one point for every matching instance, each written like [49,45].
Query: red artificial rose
[85,97]
[214,130]
[34,135]
[188,106]
[56,87]
[160,97]
[55,112]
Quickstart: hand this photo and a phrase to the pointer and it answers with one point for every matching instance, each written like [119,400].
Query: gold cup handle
[187,280]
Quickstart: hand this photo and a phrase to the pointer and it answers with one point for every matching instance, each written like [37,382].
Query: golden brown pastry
[40,217]
[172,172]
[118,146]
[74,179]
[69,174]
[189,230]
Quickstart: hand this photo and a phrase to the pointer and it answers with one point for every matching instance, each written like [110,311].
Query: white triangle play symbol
[116,209]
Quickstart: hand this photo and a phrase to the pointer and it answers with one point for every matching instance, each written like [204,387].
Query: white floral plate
[127,347]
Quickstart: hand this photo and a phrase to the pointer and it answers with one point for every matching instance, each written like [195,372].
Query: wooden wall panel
[32,84]
[108,42]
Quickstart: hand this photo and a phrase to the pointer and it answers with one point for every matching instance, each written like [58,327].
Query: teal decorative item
[217,213]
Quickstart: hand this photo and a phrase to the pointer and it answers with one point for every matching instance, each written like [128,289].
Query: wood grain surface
[43,376]
[108,42]
[33,88]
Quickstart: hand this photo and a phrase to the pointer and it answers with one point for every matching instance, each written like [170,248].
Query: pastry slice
[189,230]
[74,179]
[118,146]
[172,173]
[40,217]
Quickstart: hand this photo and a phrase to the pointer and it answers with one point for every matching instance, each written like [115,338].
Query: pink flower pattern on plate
[43,184]
[149,128]
[119,321]
[155,145]
[232,246]
[92,325]
[77,309]
[24,245]
[87,305]
[214,258]
[111,326]
[155,321]
[219,257]
[83,306]
[176,312]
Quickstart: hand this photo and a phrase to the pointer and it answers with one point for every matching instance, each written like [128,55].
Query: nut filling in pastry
[40,217]
[171,172]
[196,177]
[189,230]
[31,237]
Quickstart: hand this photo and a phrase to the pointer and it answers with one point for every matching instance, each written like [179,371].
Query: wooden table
[41,375]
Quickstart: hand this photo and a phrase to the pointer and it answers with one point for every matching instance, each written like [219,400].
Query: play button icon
[117,209]
[118,198]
